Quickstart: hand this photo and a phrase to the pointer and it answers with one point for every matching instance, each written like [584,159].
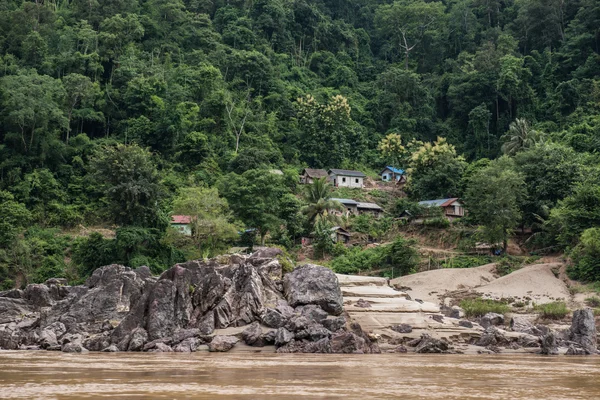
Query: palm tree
[520,136]
[320,205]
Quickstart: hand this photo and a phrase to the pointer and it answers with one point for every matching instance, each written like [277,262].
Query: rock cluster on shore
[120,309]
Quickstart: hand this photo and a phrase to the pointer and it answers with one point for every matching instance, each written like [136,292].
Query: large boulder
[491,319]
[252,335]
[583,330]
[221,343]
[427,344]
[313,284]
[523,325]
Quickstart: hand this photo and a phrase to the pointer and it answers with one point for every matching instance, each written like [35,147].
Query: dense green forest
[117,113]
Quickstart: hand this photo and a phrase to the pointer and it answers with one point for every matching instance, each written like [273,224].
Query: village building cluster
[343,178]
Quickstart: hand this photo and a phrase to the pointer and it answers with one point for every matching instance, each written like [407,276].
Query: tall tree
[128,176]
[493,197]
[410,23]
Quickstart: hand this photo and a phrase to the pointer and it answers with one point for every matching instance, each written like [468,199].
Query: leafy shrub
[466,261]
[586,257]
[480,307]
[554,310]
[593,301]
[374,227]
[439,222]
[400,256]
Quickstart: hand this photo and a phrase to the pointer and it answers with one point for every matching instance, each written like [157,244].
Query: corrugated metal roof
[181,219]
[346,201]
[438,202]
[315,173]
[370,206]
[347,172]
[394,170]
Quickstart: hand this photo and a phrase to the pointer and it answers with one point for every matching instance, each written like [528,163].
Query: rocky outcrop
[222,343]
[313,284]
[583,332]
[122,309]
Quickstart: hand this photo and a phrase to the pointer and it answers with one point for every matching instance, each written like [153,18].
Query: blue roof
[345,201]
[395,170]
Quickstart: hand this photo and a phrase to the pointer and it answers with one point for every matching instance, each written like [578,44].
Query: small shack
[369,208]
[389,174]
[340,235]
[346,178]
[182,223]
[452,207]
[350,205]
[309,175]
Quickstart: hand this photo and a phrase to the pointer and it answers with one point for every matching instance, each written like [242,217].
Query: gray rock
[268,338]
[161,348]
[188,345]
[48,339]
[313,313]
[457,312]
[111,349]
[97,342]
[313,333]
[38,295]
[492,337]
[252,335]
[491,319]
[320,346]
[576,350]
[283,337]
[221,343]
[465,324]
[438,318]
[401,349]
[273,318]
[583,330]
[402,328]
[284,309]
[73,344]
[313,284]
[523,325]
[334,324]
[363,304]
[139,337]
[548,344]
[427,344]
[348,343]
[298,324]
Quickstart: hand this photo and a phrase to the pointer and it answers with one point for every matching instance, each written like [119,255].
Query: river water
[52,375]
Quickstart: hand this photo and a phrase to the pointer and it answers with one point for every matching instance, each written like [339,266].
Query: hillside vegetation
[119,113]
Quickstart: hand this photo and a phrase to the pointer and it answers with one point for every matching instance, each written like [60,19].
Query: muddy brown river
[51,375]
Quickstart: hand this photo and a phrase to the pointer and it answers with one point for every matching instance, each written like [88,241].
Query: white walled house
[346,178]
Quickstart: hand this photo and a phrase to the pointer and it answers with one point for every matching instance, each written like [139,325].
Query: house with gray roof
[350,205]
[346,178]
[369,208]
